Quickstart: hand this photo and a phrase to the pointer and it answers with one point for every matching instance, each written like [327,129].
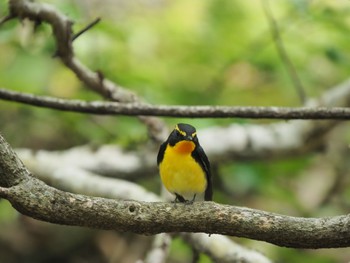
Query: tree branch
[32,197]
[77,180]
[63,36]
[136,109]
[36,199]
[40,201]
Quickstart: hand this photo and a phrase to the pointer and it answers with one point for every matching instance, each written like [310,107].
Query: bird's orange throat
[184,147]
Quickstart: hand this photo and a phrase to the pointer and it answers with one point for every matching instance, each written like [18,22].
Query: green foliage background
[183,52]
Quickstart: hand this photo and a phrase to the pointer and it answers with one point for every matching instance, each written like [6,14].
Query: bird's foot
[190,202]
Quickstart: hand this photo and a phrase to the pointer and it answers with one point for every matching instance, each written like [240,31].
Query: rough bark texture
[40,201]
[34,198]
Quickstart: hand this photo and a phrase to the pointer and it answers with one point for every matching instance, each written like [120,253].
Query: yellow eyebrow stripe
[180,131]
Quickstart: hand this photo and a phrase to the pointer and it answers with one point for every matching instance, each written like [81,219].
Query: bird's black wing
[161,152]
[199,155]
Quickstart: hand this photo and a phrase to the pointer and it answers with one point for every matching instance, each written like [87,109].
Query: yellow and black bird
[183,166]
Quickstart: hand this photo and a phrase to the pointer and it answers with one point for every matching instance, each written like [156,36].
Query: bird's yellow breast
[180,173]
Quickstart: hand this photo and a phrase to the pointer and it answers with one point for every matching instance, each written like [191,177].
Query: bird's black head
[183,132]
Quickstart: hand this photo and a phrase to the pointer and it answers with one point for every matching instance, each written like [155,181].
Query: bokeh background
[199,52]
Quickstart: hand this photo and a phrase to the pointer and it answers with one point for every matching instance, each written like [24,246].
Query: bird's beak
[189,138]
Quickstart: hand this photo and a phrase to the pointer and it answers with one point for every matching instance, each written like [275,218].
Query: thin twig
[282,51]
[89,26]
[75,36]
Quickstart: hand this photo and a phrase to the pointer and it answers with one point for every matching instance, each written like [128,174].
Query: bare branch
[37,200]
[63,36]
[32,197]
[222,144]
[77,180]
[62,30]
[61,25]
[136,109]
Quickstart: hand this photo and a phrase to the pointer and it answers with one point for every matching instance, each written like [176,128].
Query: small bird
[183,166]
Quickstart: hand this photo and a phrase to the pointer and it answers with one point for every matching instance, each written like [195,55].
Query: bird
[184,167]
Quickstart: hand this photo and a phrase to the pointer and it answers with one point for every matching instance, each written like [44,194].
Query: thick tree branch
[136,109]
[32,197]
[76,180]
[40,201]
